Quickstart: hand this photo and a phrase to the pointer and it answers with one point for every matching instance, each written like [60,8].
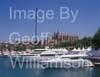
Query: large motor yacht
[67,61]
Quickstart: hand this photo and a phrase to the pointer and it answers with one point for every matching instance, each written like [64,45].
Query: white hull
[68,63]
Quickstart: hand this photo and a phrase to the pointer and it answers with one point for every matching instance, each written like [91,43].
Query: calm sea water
[6,70]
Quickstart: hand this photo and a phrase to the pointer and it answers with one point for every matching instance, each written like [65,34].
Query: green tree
[96,39]
[86,41]
[19,47]
[78,44]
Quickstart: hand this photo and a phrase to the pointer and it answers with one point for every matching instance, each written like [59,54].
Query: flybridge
[64,13]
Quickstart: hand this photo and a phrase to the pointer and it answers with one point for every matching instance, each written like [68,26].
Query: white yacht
[47,55]
[6,53]
[42,54]
[52,53]
[67,61]
[35,56]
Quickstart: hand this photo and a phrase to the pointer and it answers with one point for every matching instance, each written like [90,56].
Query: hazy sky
[86,24]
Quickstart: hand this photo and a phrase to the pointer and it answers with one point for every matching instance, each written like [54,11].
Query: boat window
[71,57]
[75,58]
[47,55]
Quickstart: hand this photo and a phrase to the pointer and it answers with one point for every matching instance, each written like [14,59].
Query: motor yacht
[35,57]
[67,61]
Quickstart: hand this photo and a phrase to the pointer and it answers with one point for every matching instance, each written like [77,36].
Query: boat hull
[66,64]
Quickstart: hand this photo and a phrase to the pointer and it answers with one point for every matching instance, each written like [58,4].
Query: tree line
[93,41]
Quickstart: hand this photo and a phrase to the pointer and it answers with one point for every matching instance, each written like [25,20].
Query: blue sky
[87,23]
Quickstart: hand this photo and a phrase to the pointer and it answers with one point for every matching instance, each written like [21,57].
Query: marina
[54,57]
[49,38]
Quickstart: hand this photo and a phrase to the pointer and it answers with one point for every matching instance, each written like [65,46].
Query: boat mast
[36,25]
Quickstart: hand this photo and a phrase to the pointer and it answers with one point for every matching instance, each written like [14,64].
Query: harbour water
[6,70]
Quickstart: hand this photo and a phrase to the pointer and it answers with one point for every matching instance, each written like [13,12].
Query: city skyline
[86,24]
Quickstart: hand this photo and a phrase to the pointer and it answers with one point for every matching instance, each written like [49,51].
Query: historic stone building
[60,37]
